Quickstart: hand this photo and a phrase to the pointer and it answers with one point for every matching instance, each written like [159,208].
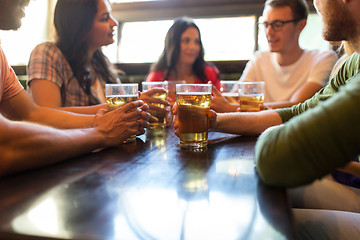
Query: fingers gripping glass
[277,25]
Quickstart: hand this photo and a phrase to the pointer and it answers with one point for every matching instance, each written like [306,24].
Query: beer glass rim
[257,82]
[195,88]
[121,84]
[154,83]
[175,81]
[195,84]
[229,81]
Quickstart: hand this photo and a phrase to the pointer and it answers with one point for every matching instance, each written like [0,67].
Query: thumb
[215,91]
[101,112]
[98,115]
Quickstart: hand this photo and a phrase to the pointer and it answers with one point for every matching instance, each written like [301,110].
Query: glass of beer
[251,96]
[230,90]
[161,116]
[193,101]
[118,94]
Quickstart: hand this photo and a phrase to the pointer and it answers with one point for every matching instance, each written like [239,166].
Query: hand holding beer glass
[251,96]
[158,109]
[230,91]
[193,110]
[119,94]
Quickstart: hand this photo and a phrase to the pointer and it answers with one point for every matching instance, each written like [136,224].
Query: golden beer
[251,103]
[232,97]
[161,116]
[193,113]
[117,101]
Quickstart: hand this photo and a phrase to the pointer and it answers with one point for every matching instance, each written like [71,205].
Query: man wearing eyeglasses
[291,74]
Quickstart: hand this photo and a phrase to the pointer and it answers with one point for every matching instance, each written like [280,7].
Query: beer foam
[194,93]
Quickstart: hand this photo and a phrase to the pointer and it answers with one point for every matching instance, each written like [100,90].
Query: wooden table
[148,190]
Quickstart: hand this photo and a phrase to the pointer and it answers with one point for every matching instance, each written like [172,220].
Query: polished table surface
[151,189]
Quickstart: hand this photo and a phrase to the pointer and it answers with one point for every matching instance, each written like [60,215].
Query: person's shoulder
[3,61]
[352,64]
[355,57]
[317,53]
[46,46]
[155,76]
[2,54]
[262,54]
[209,67]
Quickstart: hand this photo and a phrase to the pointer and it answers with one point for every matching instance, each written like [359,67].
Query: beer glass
[118,94]
[230,90]
[251,96]
[172,90]
[193,102]
[160,115]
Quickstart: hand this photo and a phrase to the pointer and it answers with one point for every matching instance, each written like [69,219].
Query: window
[224,39]
[144,41]
[18,45]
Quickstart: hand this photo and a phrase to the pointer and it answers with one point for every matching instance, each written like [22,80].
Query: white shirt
[281,82]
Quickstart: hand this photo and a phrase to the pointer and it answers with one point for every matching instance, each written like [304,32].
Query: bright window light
[18,45]
[223,39]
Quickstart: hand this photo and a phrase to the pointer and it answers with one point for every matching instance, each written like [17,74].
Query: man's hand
[118,125]
[212,119]
[220,104]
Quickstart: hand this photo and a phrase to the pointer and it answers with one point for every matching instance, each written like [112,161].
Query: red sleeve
[156,76]
[213,75]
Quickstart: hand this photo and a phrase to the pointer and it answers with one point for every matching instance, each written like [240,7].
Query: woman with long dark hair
[183,56]
[73,70]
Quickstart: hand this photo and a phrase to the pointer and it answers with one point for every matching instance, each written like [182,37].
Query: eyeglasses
[277,25]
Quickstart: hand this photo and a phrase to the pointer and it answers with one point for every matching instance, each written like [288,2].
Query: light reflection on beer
[251,103]
[116,101]
[193,113]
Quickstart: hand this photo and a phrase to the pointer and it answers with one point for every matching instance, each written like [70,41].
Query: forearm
[60,119]
[275,105]
[25,146]
[91,110]
[247,123]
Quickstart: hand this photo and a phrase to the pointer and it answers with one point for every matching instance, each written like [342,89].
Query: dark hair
[73,21]
[299,8]
[171,52]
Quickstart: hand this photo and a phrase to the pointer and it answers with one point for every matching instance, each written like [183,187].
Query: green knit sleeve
[313,144]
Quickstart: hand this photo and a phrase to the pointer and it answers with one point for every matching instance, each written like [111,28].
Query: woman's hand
[157,105]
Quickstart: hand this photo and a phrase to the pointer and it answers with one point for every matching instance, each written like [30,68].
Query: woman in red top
[183,57]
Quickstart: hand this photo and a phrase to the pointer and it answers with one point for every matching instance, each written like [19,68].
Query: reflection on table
[148,190]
